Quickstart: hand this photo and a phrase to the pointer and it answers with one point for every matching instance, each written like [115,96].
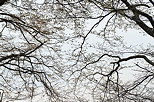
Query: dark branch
[137,56]
[2,2]
[152,2]
[137,19]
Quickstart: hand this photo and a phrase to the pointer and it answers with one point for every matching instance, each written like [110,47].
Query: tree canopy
[74,50]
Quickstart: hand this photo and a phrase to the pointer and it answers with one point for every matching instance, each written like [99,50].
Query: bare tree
[102,67]
[48,50]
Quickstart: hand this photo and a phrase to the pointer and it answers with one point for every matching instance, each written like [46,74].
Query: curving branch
[137,19]
[137,56]
[152,2]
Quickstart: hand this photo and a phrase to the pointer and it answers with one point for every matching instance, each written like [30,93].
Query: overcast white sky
[131,37]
